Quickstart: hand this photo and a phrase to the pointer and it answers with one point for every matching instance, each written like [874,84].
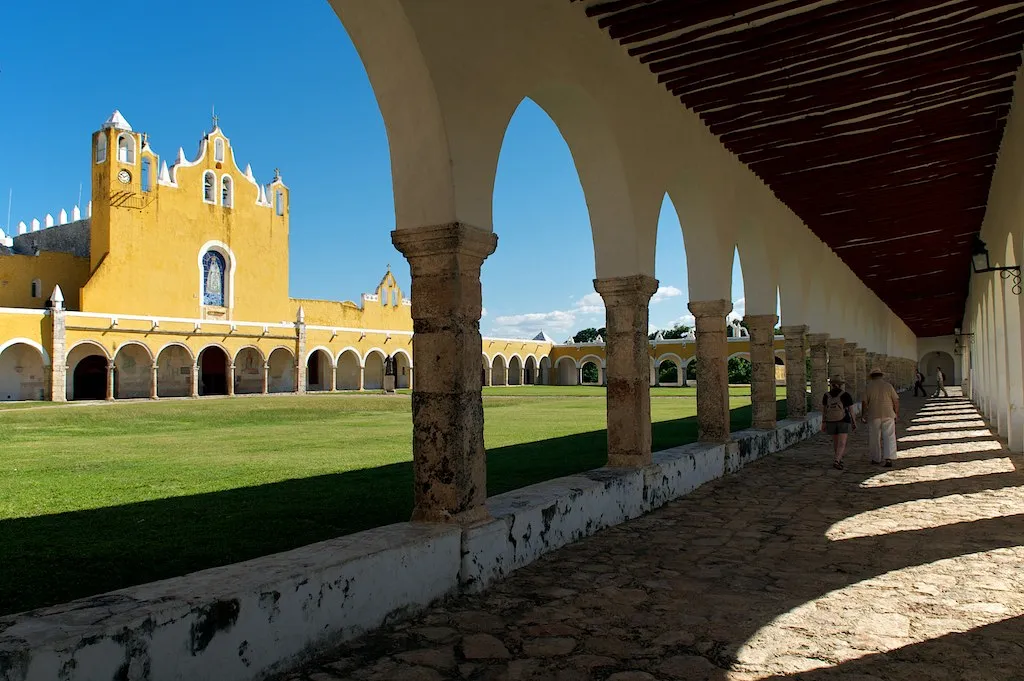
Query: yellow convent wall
[18,272]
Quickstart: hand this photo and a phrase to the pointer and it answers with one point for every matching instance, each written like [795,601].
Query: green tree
[589,335]
[675,332]
[668,372]
[590,373]
[691,370]
[740,370]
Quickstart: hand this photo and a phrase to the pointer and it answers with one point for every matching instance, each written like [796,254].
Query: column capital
[455,238]
[630,290]
[799,330]
[710,308]
[761,322]
[817,338]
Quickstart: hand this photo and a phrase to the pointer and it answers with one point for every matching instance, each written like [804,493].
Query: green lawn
[101,497]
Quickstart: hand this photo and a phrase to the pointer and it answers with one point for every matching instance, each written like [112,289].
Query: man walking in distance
[881,409]
[919,383]
[837,419]
[940,383]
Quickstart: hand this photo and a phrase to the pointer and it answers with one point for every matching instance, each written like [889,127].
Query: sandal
[838,465]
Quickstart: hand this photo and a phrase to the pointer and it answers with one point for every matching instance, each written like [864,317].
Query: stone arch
[936,359]
[133,371]
[373,370]
[515,370]
[249,362]
[281,370]
[23,371]
[591,368]
[403,369]
[319,369]
[213,364]
[1014,369]
[499,369]
[623,245]
[544,376]
[87,367]
[530,370]
[174,363]
[566,371]
[675,361]
[347,369]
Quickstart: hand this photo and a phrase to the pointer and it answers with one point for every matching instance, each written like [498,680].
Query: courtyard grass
[103,497]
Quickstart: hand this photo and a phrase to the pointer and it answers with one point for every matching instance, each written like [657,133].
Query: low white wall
[246,621]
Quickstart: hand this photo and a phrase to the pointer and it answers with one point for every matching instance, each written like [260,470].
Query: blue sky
[291,92]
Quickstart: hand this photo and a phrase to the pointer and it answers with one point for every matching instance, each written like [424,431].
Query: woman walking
[837,420]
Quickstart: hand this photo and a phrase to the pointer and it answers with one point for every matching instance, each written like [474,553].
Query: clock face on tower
[124,177]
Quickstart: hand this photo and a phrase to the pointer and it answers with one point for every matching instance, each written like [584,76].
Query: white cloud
[664,293]
[528,325]
[739,309]
[483,312]
[592,303]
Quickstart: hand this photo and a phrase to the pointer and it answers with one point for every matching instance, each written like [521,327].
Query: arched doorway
[213,371]
[499,373]
[565,371]
[669,371]
[403,371]
[348,371]
[248,371]
[530,372]
[544,376]
[590,373]
[91,378]
[87,372]
[174,372]
[133,372]
[22,373]
[515,371]
[319,371]
[938,360]
[373,371]
[281,371]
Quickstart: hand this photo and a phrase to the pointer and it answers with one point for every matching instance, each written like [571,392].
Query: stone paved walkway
[788,569]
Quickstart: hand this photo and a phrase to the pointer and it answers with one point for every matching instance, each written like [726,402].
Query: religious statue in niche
[213,278]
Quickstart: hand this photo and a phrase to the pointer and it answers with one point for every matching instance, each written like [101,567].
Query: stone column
[362,376]
[265,379]
[762,360]
[58,387]
[334,379]
[153,383]
[487,376]
[410,379]
[712,369]
[110,381]
[627,368]
[579,376]
[300,351]
[836,361]
[449,462]
[861,367]
[796,371]
[195,379]
[850,369]
[819,368]
[231,379]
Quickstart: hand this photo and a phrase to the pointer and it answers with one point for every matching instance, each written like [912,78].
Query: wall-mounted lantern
[981,264]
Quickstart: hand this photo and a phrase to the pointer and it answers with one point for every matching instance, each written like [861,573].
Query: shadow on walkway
[788,569]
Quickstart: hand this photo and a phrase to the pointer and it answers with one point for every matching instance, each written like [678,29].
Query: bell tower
[116,180]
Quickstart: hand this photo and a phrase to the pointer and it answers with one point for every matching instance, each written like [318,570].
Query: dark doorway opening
[213,372]
[91,379]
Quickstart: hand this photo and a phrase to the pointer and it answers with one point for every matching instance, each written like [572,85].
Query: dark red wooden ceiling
[876,121]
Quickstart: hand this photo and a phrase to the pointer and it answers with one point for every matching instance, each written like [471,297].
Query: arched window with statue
[214,269]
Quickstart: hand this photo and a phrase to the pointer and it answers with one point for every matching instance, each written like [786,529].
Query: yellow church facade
[174,283]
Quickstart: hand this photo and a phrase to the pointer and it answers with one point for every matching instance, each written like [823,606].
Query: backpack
[834,409]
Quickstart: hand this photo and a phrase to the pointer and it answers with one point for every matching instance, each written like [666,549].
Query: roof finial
[277,174]
[213,115]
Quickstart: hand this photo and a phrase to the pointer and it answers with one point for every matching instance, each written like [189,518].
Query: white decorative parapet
[48,221]
[371,297]
[247,621]
[6,240]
